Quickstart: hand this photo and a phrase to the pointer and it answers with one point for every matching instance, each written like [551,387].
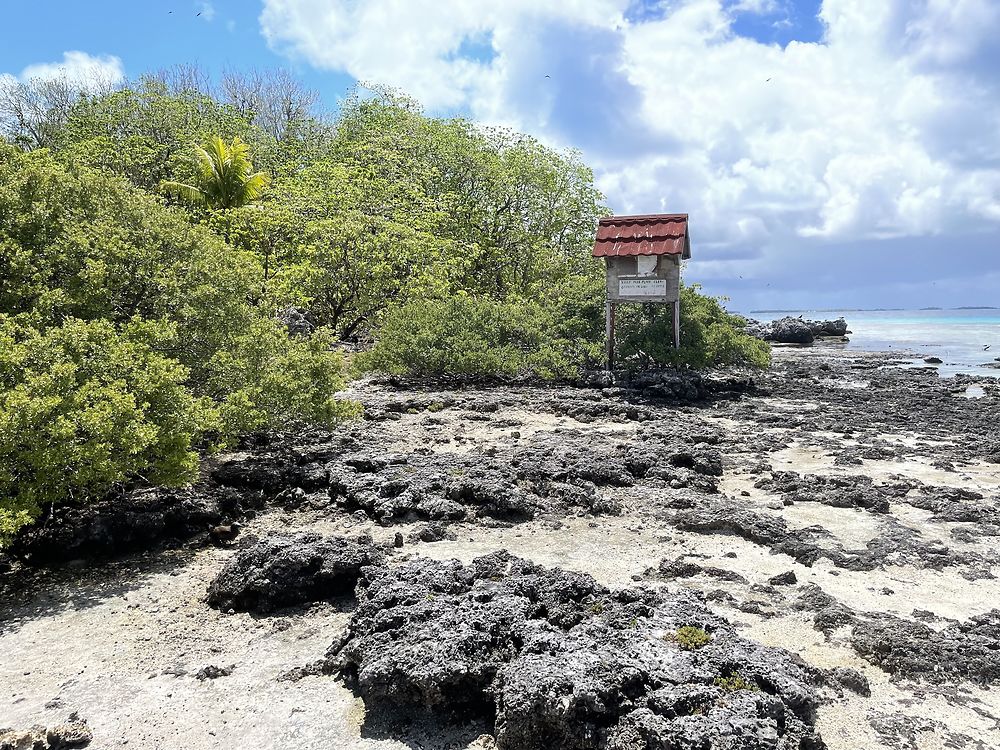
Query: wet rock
[558,661]
[907,649]
[290,569]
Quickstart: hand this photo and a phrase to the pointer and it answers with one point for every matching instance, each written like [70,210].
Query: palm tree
[224,174]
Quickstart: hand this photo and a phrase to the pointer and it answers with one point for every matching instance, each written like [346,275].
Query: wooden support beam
[677,324]
[609,314]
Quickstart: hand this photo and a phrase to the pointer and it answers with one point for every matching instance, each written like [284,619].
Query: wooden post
[677,324]
[609,312]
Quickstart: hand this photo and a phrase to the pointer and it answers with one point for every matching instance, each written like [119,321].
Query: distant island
[874,309]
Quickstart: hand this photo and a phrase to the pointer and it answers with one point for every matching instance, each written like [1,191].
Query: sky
[830,153]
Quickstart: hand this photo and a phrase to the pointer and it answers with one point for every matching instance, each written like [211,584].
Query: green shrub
[710,336]
[466,335]
[735,682]
[264,379]
[77,243]
[690,638]
[83,408]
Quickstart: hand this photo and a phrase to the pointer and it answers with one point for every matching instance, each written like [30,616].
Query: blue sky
[834,152]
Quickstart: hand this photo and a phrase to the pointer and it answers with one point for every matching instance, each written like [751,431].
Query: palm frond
[224,173]
[183,191]
[254,186]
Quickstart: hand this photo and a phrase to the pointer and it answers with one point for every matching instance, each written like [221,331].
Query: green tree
[518,212]
[144,131]
[224,176]
[83,408]
[77,243]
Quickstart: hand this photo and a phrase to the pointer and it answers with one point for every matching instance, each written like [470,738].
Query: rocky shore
[804,558]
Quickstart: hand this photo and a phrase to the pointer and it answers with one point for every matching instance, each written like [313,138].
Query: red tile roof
[651,234]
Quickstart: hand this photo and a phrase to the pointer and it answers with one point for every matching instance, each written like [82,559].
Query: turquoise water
[958,337]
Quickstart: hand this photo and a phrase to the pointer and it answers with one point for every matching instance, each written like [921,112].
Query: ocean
[959,337]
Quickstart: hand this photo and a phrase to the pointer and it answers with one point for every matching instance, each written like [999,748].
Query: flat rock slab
[291,569]
[556,661]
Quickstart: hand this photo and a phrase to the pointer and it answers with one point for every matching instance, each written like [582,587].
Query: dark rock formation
[783,579]
[559,662]
[837,491]
[785,330]
[432,532]
[845,678]
[834,328]
[124,524]
[672,385]
[296,321]
[292,569]
[907,649]
[213,672]
[681,567]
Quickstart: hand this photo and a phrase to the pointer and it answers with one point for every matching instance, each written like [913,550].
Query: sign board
[643,279]
[642,288]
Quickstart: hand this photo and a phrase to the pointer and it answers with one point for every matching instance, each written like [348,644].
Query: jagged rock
[896,543]
[291,569]
[680,567]
[296,321]
[845,678]
[790,330]
[433,532]
[212,672]
[560,662]
[74,732]
[836,327]
[838,491]
[907,649]
[137,521]
[673,385]
[783,579]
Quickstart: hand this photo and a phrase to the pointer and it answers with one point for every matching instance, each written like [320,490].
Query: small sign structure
[643,256]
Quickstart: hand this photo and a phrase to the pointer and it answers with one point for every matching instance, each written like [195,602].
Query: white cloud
[887,128]
[83,70]
[206,12]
